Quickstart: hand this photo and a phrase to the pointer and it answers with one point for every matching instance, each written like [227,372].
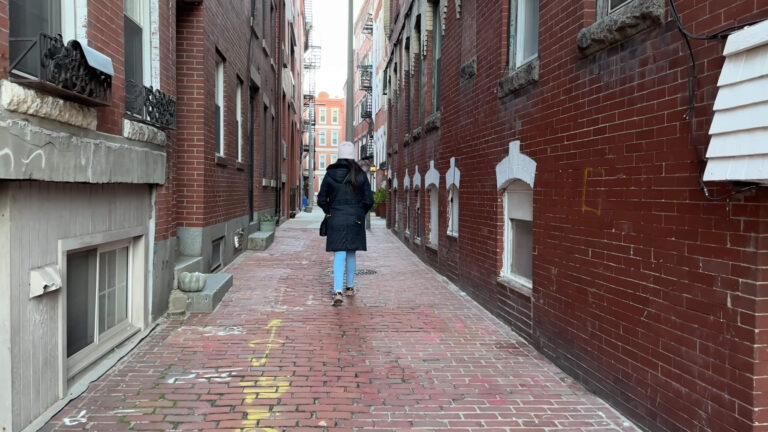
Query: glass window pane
[531,30]
[613,4]
[81,298]
[29,18]
[102,312]
[133,8]
[134,57]
[121,305]
[522,248]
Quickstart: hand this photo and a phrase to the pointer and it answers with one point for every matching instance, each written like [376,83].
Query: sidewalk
[410,351]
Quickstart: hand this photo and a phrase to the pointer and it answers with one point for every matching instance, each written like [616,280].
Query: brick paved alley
[408,352]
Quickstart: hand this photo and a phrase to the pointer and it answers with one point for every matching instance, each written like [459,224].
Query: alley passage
[410,351]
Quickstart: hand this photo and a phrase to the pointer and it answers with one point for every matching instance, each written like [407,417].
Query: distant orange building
[329,133]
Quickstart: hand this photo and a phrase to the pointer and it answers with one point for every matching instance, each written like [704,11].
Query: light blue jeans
[339,260]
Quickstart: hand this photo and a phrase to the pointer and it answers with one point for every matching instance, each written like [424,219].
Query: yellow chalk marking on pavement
[264,387]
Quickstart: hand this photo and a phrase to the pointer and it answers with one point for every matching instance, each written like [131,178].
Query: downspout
[251,117]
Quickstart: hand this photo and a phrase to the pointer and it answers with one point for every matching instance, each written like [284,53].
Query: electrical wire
[692,90]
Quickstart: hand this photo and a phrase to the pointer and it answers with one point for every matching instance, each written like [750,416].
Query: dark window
[29,18]
[264,139]
[133,35]
[436,56]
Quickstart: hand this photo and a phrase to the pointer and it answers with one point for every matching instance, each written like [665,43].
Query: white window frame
[334,158]
[136,239]
[239,108]
[323,162]
[417,213]
[453,211]
[335,138]
[322,138]
[322,115]
[220,102]
[522,211]
[517,48]
[434,211]
[334,116]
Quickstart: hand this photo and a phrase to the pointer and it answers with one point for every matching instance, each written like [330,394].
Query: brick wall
[644,290]
[105,34]
[165,198]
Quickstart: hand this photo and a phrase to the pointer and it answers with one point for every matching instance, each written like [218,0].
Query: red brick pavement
[408,352]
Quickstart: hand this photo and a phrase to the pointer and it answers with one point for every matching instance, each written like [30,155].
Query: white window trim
[508,251]
[239,108]
[336,144]
[74,19]
[324,141]
[323,162]
[220,102]
[434,215]
[322,116]
[147,43]
[453,211]
[136,237]
[335,111]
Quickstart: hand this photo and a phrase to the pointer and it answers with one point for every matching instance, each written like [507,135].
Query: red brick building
[330,121]
[545,157]
[147,140]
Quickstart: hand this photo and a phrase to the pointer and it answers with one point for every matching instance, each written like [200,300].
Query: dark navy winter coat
[347,209]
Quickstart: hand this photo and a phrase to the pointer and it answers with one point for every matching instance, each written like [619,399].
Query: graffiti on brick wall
[590,202]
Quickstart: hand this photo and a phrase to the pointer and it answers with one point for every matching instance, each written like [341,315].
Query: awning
[96,59]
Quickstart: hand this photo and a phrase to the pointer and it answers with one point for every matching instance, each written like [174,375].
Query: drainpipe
[279,110]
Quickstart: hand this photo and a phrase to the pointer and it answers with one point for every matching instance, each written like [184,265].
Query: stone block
[216,286]
[140,132]
[29,101]
[631,19]
[468,70]
[260,240]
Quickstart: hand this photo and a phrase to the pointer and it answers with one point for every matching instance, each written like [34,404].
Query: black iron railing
[366,77]
[149,105]
[366,107]
[366,149]
[46,63]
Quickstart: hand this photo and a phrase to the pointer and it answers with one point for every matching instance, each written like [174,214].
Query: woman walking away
[345,196]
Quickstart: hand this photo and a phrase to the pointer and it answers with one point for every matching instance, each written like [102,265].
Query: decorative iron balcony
[366,77]
[366,151]
[150,106]
[72,71]
[366,107]
[368,26]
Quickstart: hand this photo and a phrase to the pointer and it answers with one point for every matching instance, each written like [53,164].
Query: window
[334,115]
[334,138]
[418,213]
[322,116]
[612,5]
[334,158]
[518,233]
[239,109]
[523,32]
[137,42]
[437,40]
[453,211]
[219,106]
[408,79]
[407,211]
[322,137]
[433,214]
[420,74]
[264,139]
[28,18]
[98,295]
[322,161]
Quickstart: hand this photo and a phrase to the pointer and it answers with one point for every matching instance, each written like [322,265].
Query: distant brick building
[540,157]
[148,139]
[330,121]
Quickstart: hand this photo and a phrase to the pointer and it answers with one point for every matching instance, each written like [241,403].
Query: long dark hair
[354,172]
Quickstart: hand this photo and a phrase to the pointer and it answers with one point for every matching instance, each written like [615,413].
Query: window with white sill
[523,32]
[518,233]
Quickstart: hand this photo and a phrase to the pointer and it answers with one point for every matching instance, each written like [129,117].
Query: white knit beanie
[347,150]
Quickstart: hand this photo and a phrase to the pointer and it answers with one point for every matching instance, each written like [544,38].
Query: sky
[330,32]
